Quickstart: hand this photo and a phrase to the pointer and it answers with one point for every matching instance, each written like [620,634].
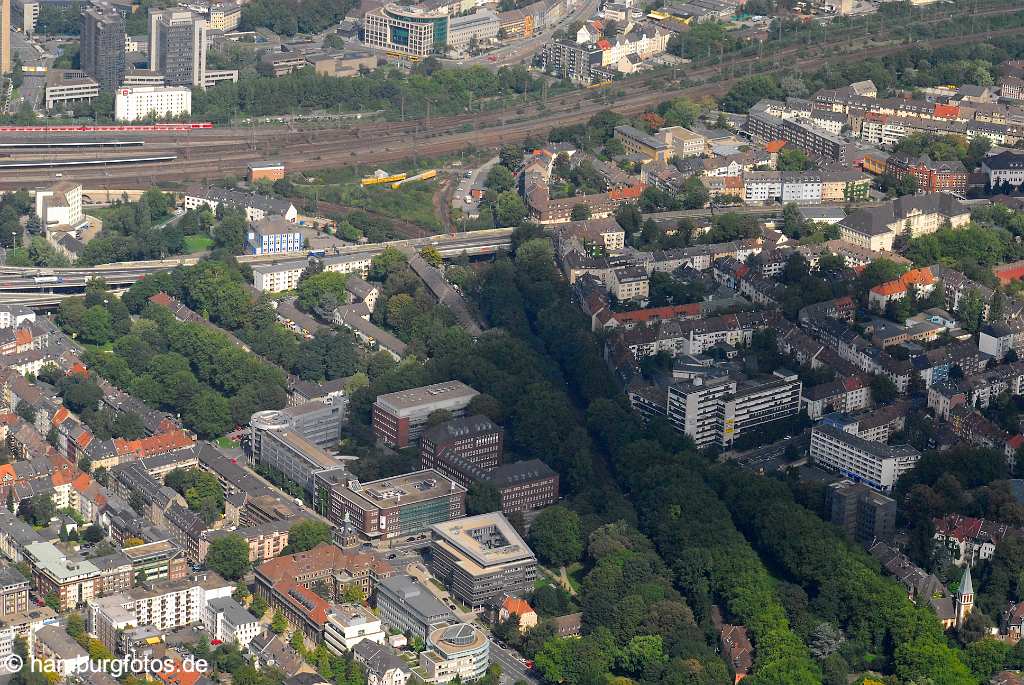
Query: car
[391,556]
[468,174]
[411,539]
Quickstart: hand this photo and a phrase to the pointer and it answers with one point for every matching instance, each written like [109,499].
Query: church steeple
[963,601]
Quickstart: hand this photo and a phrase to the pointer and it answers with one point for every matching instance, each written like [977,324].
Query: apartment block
[102,45]
[403,603]
[177,46]
[284,275]
[877,465]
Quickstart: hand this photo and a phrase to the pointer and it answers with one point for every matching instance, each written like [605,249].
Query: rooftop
[403,490]
[426,395]
[482,542]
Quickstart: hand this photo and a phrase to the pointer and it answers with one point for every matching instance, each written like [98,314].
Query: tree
[483,497]
[580,212]
[297,641]
[353,594]
[306,535]
[279,623]
[25,411]
[556,536]
[229,556]
[500,179]
[258,606]
[509,209]
[94,533]
[431,256]
[96,327]
[883,390]
[312,290]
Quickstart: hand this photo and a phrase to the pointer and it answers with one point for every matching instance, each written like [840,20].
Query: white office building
[142,102]
[348,625]
[875,464]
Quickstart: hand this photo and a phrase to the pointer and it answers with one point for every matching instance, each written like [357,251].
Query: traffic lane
[510,663]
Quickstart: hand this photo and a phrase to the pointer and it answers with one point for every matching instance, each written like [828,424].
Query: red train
[106,129]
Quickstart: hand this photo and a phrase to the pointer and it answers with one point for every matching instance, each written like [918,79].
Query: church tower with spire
[963,601]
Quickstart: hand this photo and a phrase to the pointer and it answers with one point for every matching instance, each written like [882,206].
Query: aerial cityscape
[550,342]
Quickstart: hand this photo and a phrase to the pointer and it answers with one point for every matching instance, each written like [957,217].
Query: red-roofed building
[1013,443]
[922,280]
[604,44]
[521,609]
[304,609]
[946,111]
[774,146]
[970,539]
[1008,273]
[180,675]
[637,317]
[161,443]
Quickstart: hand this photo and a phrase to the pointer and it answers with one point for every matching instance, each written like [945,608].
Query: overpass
[35,286]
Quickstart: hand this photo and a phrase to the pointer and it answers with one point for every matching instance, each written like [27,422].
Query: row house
[969,539]
[843,395]
[976,429]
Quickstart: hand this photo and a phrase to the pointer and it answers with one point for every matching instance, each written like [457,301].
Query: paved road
[512,669]
[476,180]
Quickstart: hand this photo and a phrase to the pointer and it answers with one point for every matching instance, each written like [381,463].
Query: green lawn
[226,443]
[197,243]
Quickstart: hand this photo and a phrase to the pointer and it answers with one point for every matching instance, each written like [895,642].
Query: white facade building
[275,278]
[229,621]
[875,464]
[348,625]
[141,102]
[60,205]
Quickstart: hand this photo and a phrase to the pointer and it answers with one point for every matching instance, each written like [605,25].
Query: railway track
[210,154]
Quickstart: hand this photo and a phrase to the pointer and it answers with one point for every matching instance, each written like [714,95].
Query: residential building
[409,31]
[521,610]
[60,205]
[969,539]
[73,581]
[864,514]
[165,605]
[273,235]
[877,465]
[405,604]
[53,644]
[256,206]
[69,87]
[350,624]
[381,664]
[459,651]
[137,103]
[230,622]
[390,508]
[1005,167]
[102,45]
[636,142]
[481,558]
[582,64]
[629,283]
[717,411]
[13,592]
[225,16]
[284,275]
[177,46]
[400,417]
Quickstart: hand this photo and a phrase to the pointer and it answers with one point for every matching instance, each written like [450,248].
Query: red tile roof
[604,44]
[947,111]
[160,443]
[651,313]
[630,193]
[774,145]
[23,336]
[519,607]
